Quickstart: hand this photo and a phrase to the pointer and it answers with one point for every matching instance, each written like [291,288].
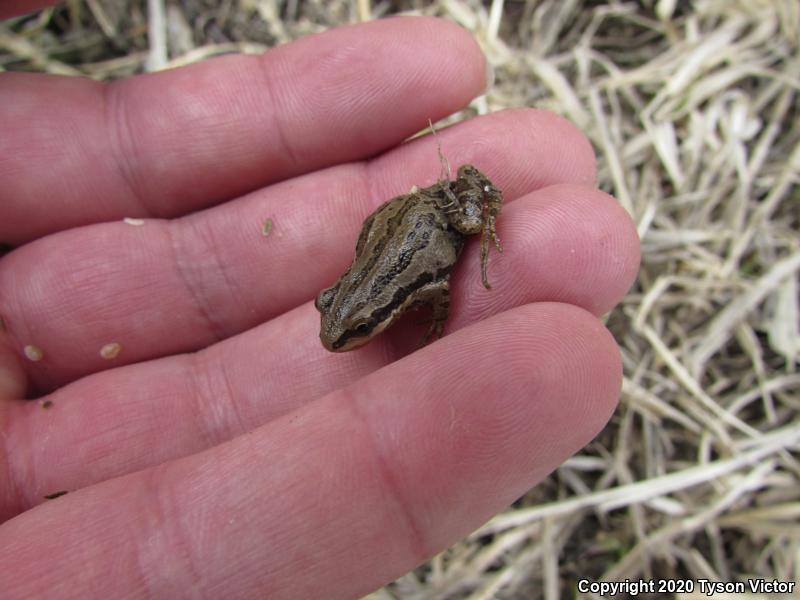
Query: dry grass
[693,109]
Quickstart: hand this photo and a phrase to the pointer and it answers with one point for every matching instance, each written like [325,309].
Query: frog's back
[391,217]
[405,244]
[405,239]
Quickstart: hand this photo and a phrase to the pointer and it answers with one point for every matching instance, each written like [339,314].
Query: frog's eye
[362,328]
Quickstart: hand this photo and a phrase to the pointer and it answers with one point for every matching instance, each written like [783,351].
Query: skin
[212,453]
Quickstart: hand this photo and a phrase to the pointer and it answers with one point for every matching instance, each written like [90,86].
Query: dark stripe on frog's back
[401,294]
[384,277]
[399,207]
[366,228]
[354,278]
[384,306]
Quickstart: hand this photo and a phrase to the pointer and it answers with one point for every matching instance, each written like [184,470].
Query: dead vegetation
[693,109]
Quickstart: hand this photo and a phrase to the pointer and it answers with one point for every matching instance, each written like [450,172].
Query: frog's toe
[435,331]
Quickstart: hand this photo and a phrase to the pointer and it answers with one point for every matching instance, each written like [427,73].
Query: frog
[404,256]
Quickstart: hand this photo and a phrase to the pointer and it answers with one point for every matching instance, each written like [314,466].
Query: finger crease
[198,299]
[215,399]
[121,144]
[164,535]
[235,296]
[389,481]
[278,126]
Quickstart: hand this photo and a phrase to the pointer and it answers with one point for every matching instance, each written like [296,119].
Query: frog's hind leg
[493,202]
[437,296]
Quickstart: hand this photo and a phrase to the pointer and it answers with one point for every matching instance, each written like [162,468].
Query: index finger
[75,151]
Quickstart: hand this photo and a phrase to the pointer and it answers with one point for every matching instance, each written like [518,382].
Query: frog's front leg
[449,204]
[437,296]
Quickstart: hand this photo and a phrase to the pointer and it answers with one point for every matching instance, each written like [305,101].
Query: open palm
[223,451]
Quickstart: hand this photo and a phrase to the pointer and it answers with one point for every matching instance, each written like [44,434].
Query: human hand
[223,451]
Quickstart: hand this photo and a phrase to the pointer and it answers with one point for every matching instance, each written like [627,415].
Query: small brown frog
[404,256]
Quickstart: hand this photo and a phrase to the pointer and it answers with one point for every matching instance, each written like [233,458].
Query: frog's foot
[437,296]
[452,205]
[435,331]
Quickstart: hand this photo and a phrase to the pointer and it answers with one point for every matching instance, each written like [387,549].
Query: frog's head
[347,323]
[469,171]
[472,177]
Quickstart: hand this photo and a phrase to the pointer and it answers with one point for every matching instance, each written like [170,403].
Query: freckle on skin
[110,351]
[33,353]
[132,221]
